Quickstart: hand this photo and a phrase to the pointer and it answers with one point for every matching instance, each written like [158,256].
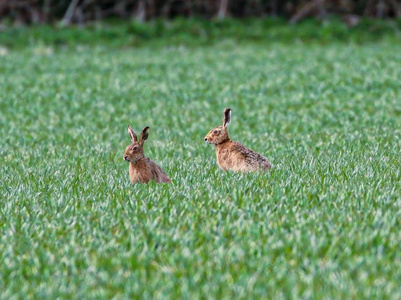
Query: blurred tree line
[84,11]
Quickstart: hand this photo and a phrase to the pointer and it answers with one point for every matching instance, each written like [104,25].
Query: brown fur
[142,169]
[232,155]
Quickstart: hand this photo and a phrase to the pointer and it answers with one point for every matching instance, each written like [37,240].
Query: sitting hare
[141,168]
[232,155]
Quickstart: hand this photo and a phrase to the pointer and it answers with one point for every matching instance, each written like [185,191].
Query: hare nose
[125,157]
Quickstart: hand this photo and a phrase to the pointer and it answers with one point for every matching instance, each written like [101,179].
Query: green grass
[325,223]
[196,32]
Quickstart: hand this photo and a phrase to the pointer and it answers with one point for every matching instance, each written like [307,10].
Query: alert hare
[141,168]
[232,155]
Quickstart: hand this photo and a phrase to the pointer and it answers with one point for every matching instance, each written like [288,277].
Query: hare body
[236,157]
[142,169]
[233,155]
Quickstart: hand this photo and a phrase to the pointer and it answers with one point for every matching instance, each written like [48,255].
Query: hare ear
[226,117]
[144,135]
[132,134]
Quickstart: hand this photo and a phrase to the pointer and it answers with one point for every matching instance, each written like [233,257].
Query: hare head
[219,134]
[134,152]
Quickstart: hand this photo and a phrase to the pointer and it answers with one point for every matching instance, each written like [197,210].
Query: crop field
[324,223]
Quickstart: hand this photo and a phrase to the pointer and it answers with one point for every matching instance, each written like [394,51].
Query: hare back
[157,172]
[236,157]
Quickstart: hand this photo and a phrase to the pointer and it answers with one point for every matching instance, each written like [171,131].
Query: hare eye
[135,148]
[215,131]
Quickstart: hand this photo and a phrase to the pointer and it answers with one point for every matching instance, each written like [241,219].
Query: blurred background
[24,12]
[135,23]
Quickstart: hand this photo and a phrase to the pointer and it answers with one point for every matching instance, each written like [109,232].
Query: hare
[232,155]
[141,168]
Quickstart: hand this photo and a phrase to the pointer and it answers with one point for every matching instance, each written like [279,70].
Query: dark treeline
[85,11]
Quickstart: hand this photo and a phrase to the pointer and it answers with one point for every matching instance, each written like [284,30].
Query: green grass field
[325,223]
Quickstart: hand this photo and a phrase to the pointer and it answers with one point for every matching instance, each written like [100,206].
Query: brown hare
[232,155]
[141,168]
